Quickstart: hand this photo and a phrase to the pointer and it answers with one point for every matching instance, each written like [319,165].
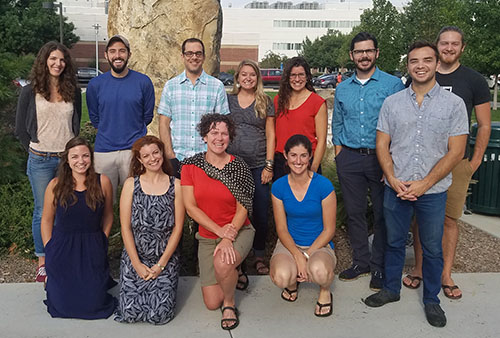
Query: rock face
[156,30]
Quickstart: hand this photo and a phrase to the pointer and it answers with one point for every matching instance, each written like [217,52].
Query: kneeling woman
[217,190]
[305,206]
[151,216]
[76,221]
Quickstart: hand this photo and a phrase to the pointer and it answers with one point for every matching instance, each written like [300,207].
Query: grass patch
[85,111]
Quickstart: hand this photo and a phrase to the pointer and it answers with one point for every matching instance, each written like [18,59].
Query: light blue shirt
[356,108]
[419,134]
[185,103]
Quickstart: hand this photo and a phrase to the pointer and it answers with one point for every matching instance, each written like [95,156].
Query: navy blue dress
[76,261]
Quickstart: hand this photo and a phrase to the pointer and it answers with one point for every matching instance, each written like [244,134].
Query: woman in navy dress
[76,221]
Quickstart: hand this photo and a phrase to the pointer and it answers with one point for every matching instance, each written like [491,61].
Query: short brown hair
[209,121]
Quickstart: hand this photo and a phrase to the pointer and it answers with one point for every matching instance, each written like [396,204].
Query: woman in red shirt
[299,110]
[217,190]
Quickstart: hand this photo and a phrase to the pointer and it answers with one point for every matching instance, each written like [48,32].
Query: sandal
[319,314]
[412,280]
[236,320]
[290,294]
[242,284]
[261,267]
[450,289]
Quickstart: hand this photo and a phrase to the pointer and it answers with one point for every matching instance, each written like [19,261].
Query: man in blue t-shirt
[120,104]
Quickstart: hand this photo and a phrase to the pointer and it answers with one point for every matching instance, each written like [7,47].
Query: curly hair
[285,90]
[261,99]
[40,76]
[209,121]
[64,190]
[136,167]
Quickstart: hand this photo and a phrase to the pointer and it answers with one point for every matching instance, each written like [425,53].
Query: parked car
[226,78]
[18,82]
[491,81]
[271,76]
[85,74]
[316,81]
[347,75]
[329,81]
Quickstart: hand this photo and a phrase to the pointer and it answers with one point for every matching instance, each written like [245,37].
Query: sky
[242,3]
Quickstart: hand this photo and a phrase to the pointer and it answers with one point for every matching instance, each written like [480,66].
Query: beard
[116,69]
[367,68]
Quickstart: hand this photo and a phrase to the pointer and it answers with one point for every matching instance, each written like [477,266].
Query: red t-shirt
[298,121]
[211,196]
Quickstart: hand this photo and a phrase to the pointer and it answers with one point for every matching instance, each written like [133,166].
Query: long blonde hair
[261,99]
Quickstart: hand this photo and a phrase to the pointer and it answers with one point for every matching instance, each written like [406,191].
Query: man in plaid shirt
[184,99]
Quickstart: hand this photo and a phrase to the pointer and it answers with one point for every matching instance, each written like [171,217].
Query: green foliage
[324,52]
[384,21]
[231,71]
[273,60]
[16,208]
[25,26]
[329,170]
[11,67]
[12,159]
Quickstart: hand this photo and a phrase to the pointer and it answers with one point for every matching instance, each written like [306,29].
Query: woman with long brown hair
[253,114]
[48,116]
[151,216]
[77,218]
[299,110]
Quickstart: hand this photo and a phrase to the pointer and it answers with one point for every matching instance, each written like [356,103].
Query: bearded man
[120,104]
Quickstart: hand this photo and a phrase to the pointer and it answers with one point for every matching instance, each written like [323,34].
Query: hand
[143,271]
[266,176]
[301,262]
[397,185]
[416,188]
[226,248]
[383,178]
[474,165]
[156,272]
[228,231]
[337,150]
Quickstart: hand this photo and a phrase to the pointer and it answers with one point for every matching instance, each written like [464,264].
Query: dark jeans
[260,212]
[357,174]
[429,210]
[280,167]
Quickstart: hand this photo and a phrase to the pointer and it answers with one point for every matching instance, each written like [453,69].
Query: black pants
[357,174]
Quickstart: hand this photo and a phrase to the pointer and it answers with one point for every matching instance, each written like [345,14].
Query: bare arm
[107,218]
[142,270]
[49,212]
[385,160]
[321,124]
[329,206]
[483,116]
[270,148]
[165,135]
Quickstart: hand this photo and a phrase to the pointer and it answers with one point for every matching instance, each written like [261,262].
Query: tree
[273,60]
[384,21]
[25,26]
[483,38]
[324,51]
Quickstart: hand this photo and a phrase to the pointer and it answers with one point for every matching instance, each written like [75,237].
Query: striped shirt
[185,103]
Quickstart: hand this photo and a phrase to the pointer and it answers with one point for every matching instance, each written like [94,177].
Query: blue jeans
[40,170]
[429,210]
[260,212]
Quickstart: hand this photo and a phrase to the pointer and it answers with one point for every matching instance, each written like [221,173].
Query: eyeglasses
[190,54]
[359,52]
[299,75]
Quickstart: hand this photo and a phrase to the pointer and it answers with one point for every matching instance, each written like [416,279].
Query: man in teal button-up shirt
[355,115]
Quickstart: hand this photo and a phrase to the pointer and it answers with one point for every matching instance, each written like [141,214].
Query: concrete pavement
[265,314]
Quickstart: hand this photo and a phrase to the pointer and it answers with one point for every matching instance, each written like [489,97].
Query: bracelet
[270,169]
[162,267]
[305,254]
[270,163]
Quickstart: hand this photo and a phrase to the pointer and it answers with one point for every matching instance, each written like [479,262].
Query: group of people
[214,160]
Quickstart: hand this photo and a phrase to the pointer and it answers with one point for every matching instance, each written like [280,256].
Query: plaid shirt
[185,103]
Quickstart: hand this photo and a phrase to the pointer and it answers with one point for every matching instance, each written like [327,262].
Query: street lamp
[96,27]
[51,5]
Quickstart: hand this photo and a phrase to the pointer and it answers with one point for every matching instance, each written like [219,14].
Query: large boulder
[156,30]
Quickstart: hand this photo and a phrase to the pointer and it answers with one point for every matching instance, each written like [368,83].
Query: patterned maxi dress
[151,301]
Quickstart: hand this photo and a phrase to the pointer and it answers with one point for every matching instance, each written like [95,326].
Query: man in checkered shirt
[184,99]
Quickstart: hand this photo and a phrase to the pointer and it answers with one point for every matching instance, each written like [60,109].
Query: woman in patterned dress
[218,189]
[151,216]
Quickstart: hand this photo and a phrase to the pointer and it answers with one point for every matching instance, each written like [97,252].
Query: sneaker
[377,281]
[435,315]
[381,298]
[41,275]
[354,272]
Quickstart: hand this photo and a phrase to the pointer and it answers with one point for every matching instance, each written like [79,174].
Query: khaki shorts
[457,192]
[280,249]
[206,248]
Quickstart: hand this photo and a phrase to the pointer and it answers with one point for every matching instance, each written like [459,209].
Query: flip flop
[319,314]
[290,294]
[412,279]
[450,288]
[242,285]
[261,267]
[236,319]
